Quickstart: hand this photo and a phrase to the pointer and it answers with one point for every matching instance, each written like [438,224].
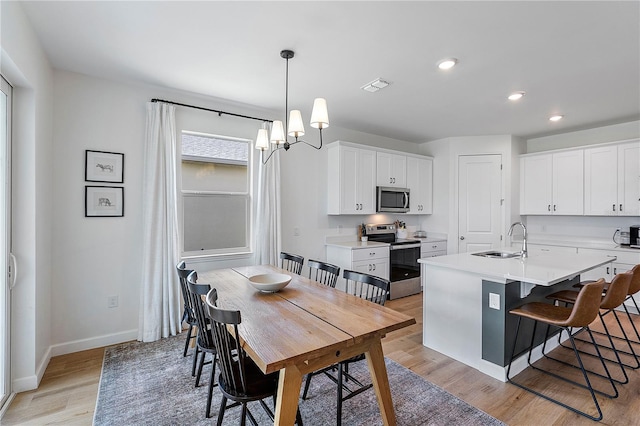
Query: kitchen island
[467,299]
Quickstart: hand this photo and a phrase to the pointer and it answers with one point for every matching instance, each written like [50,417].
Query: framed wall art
[100,166]
[103,201]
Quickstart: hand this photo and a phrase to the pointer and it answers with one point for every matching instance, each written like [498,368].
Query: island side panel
[499,327]
[452,313]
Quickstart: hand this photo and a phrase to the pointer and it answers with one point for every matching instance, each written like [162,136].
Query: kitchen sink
[497,254]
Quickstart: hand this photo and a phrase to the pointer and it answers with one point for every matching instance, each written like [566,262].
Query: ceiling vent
[375,85]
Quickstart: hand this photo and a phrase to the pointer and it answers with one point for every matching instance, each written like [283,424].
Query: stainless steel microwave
[392,200]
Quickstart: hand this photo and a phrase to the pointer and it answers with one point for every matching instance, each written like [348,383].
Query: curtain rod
[213,110]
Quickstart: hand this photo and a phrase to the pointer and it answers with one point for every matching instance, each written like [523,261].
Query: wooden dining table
[304,327]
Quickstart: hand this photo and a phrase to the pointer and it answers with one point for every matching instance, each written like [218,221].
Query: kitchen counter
[356,244]
[467,300]
[536,269]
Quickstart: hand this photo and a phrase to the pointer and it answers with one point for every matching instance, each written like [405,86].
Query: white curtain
[160,294]
[268,221]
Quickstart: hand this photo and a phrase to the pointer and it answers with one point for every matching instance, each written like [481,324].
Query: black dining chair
[187,314]
[205,343]
[291,262]
[324,273]
[240,379]
[364,286]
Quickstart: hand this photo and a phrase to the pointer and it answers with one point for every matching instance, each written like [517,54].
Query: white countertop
[356,244]
[539,269]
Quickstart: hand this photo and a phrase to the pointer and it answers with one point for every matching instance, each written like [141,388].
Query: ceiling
[578,59]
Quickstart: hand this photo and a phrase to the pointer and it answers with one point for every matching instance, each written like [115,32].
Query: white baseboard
[22,384]
[94,342]
[28,383]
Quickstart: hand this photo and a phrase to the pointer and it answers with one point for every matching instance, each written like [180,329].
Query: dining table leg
[380,380]
[288,394]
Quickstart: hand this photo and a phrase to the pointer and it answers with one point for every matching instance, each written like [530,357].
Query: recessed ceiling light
[557,117]
[375,85]
[515,96]
[448,63]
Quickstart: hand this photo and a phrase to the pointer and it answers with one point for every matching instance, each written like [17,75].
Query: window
[216,197]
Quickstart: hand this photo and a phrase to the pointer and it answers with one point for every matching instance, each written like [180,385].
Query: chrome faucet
[523,253]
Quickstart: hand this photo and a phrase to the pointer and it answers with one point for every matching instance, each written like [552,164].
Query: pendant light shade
[319,114]
[277,132]
[296,127]
[262,141]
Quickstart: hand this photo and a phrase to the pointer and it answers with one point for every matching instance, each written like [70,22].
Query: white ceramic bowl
[270,283]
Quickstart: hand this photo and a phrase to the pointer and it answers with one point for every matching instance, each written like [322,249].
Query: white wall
[24,65]
[611,133]
[446,153]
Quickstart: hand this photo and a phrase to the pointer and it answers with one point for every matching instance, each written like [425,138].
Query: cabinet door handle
[374,266]
[615,271]
[462,238]
[620,209]
[614,207]
[548,207]
[554,207]
[607,270]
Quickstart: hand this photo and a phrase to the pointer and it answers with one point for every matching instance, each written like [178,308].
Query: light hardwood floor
[68,391]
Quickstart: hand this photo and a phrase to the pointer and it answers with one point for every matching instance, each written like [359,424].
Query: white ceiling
[580,59]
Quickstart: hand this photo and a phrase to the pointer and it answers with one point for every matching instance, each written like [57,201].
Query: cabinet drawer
[432,253]
[369,253]
[434,246]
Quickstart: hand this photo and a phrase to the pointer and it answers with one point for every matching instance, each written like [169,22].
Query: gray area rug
[151,384]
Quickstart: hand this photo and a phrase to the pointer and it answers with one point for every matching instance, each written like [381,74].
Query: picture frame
[102,166]
[103,201]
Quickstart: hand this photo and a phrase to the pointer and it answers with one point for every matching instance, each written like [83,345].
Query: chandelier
[294,125]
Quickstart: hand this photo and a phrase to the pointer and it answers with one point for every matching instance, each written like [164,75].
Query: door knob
[461,238]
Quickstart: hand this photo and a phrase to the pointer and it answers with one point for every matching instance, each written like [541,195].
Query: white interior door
[5,241]
[479,202]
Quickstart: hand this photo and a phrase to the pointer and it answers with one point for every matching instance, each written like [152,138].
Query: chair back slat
[365,286]
[291,262]
[183,273]
[324,273]
[231,356]
[196,293]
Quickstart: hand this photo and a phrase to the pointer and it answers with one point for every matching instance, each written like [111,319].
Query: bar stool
[634,288]
[613,297]
[584,311]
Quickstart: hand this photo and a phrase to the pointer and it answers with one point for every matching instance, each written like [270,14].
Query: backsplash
[587,228]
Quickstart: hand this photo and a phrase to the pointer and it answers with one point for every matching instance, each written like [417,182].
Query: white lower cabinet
[433,248]
[623,262]
[369,260]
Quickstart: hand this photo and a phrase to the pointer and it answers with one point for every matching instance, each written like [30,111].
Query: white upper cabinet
[612,180]
[351,180]
[629,179]
[552,183]
[420,184]
[535,184]
[391,170]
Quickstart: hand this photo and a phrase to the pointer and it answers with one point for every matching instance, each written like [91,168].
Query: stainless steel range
[404,269]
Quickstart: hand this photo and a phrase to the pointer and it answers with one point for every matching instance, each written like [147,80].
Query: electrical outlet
[494,301]
[112,302]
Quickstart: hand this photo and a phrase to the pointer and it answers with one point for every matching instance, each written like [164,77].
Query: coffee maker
[634,236]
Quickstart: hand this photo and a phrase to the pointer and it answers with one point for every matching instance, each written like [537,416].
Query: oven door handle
[405,246]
